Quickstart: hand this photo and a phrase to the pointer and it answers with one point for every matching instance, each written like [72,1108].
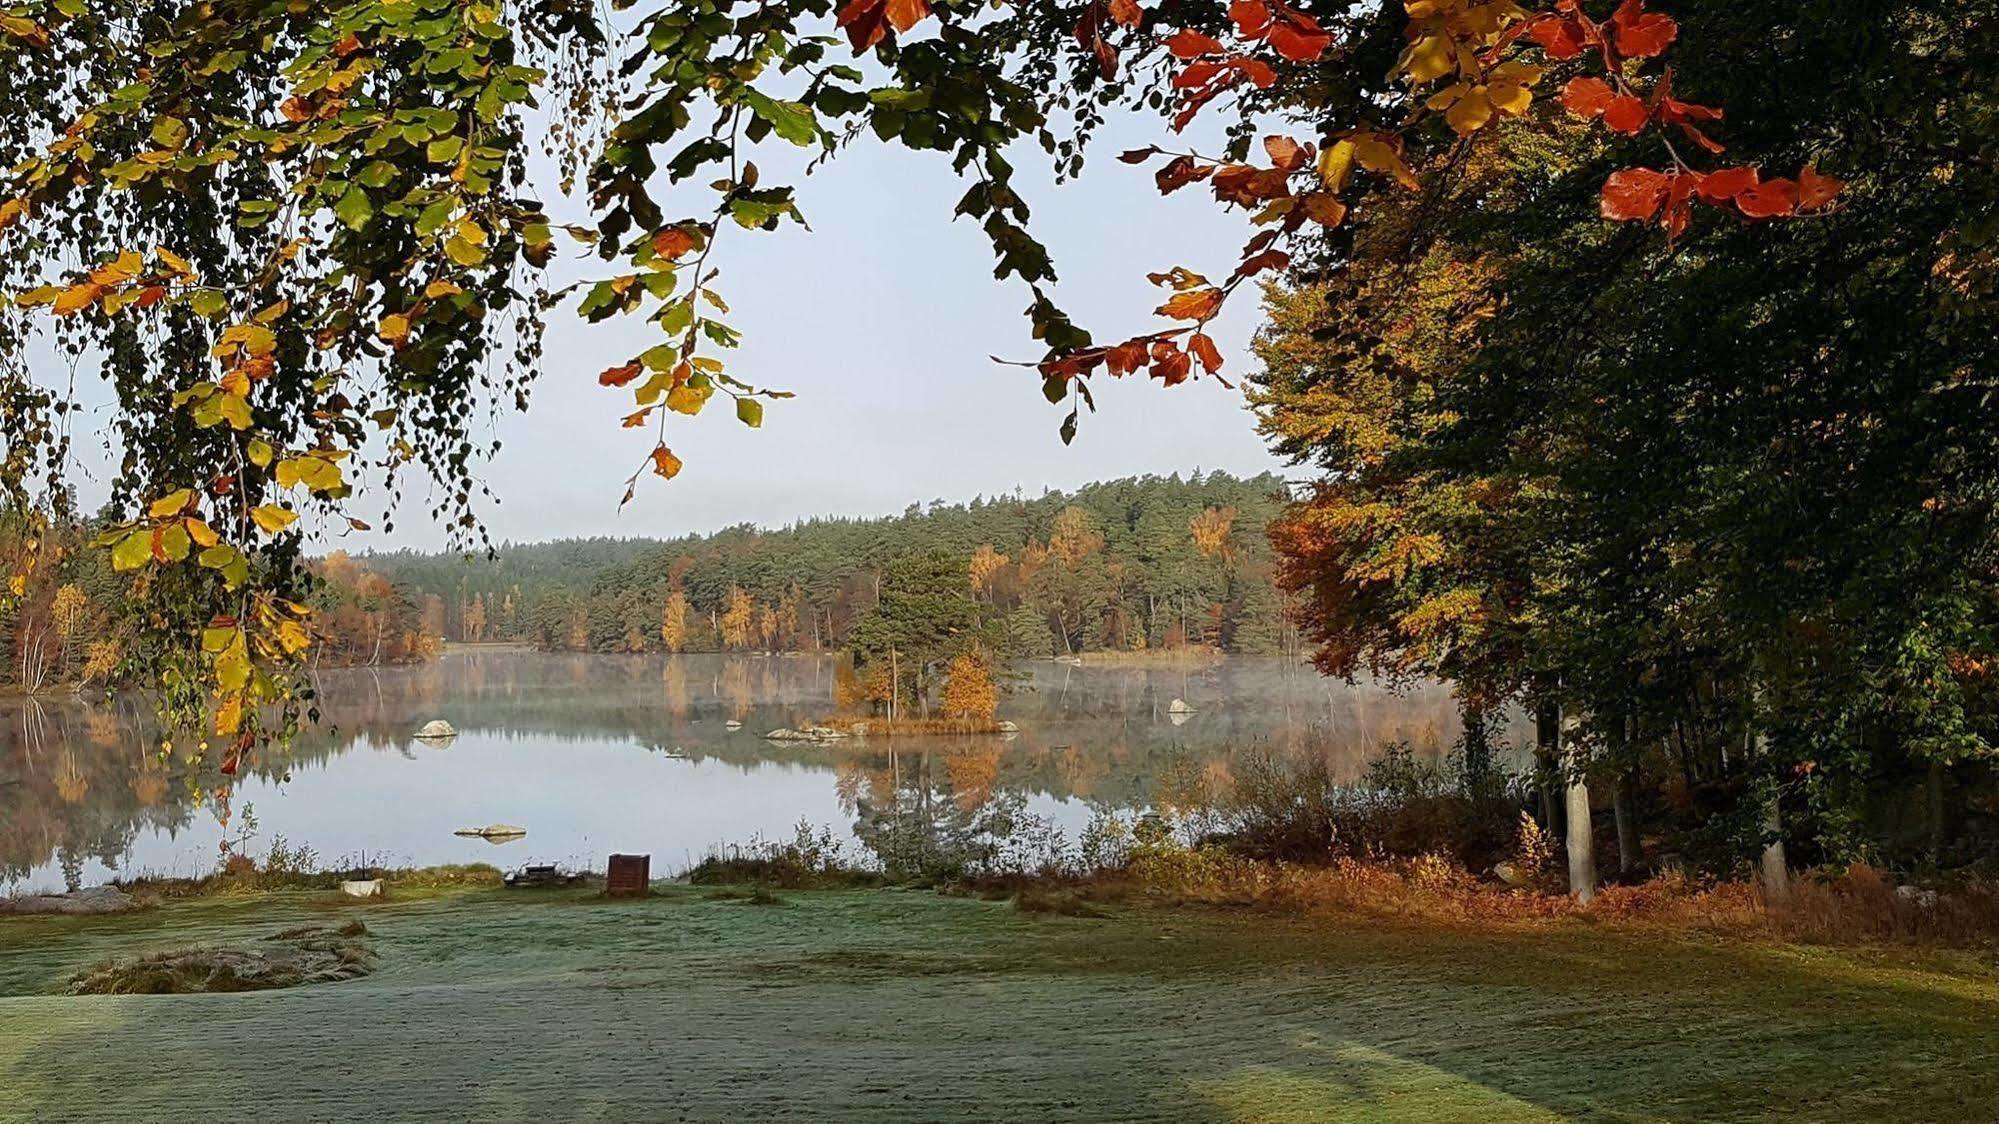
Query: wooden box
[628,875]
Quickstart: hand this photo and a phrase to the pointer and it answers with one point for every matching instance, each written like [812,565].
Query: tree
[673,622]
[969,690]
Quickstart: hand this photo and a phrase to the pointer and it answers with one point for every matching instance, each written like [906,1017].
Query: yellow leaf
[173,261]
[173,503]
[204,536]
[229,715]
[395,328]
[1378,155]
[1470,113]
[438,289]
[1336,164]
[272,518]
[1429,59]
[1510,98]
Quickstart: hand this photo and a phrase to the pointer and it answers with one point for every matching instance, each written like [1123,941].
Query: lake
[595,754]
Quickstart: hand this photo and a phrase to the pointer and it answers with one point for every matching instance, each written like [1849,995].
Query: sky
[883,319]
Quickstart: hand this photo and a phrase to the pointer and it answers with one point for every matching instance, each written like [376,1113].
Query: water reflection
[600,753]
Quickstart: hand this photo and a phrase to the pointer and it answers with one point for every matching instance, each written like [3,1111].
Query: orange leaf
[1815,190]
[1586,96]
[1769,199]
[1633,194]
[1194,304]
[619,376]
[665,463]
[672,242]
[76,298]
[1284,152]
[1626,114]
[1191,44]
[1723,184]
[1642,34]
[1203,347]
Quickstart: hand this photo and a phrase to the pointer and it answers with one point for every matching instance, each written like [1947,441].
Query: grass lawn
[909,1006]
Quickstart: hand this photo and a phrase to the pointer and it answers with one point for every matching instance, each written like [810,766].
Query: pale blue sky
[882,318]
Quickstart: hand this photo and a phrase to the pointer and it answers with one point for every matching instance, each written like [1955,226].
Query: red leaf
[1723,184]
[1191,44]
[1816,190]
[1137,155]
[1587,96]
[619,376]
[1126,13]
[1642,34]
[1633,194]
[1626,114]
[1251,18]
[1769,199]
[1298,37]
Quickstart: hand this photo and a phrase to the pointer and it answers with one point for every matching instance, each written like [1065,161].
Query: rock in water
[97,899]
[493,832]
[437,729]
[1179,706]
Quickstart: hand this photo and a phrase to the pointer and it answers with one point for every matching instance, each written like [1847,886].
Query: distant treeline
[1145,562]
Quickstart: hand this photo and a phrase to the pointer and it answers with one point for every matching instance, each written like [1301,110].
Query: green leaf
[793,121]
[750,412]
[354,208]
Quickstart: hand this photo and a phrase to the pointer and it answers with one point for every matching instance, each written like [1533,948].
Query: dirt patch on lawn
[310,954]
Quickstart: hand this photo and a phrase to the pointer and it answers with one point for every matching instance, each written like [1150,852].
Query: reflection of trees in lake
[85,779]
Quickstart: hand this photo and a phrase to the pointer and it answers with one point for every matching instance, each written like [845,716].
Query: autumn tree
[738,620]
[970,692]
[673,622]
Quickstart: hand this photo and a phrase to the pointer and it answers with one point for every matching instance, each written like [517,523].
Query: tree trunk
[1581,837]
[1547,738]
[1630,852]
[1938,835]
[1775,871]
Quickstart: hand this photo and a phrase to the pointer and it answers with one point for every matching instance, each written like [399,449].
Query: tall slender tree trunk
[1939,830]
[1547,741]
[1581,837]
[1630,851]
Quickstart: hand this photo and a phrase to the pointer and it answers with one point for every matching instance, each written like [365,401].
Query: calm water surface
[594,754]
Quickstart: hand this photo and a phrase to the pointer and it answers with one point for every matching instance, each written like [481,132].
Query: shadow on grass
[868,1005]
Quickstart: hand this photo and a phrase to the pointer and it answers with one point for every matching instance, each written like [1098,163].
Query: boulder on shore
[97,899]
[437,729]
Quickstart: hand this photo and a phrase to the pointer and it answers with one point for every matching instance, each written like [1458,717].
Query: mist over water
[594,754]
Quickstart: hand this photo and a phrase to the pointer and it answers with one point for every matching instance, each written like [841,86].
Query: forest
[72,618]
[1126,565]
